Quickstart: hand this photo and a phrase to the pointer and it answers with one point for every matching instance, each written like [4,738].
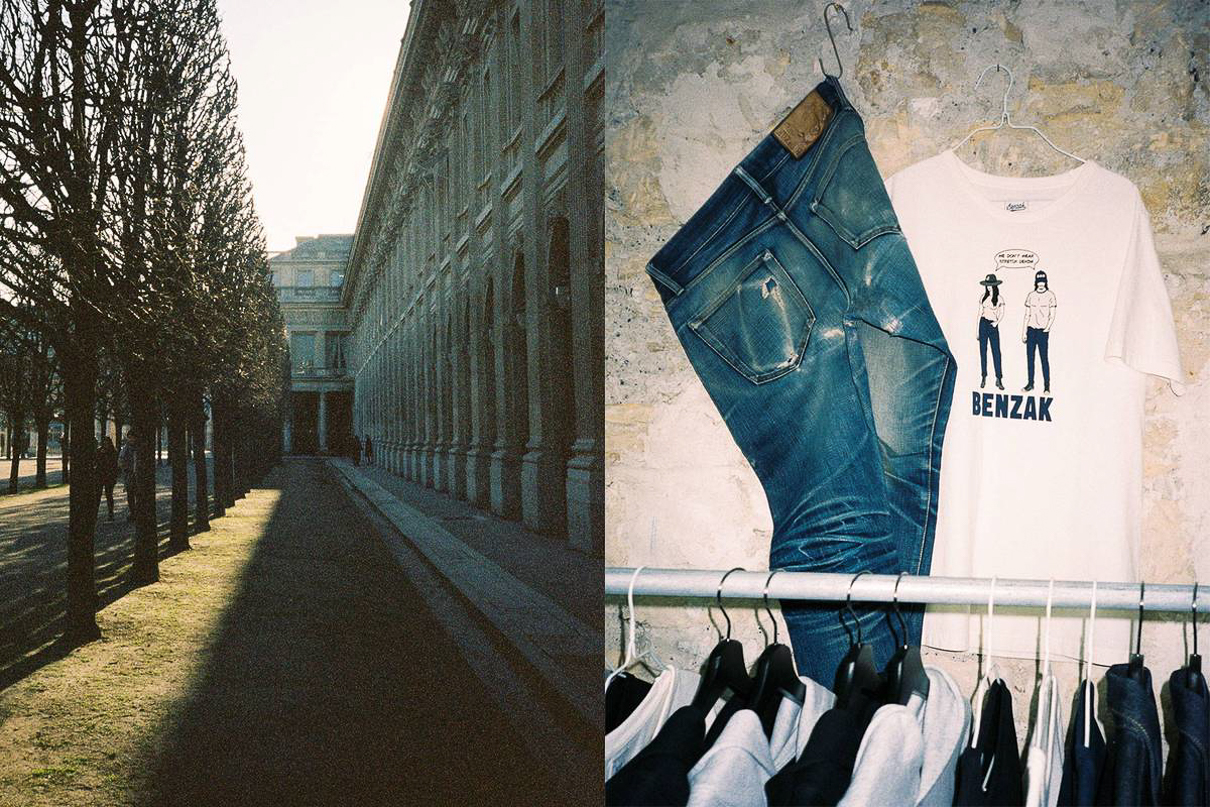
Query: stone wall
[694,85]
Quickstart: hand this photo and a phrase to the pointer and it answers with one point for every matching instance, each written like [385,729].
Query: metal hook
[768,610]
[718,597]
[1195,618]
[898,613]
[1004,105]
[848,606]
[827,24]
[1138,642]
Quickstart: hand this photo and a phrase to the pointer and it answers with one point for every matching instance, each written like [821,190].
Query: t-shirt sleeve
[1142,335]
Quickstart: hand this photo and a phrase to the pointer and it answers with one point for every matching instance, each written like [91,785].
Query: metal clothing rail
[787,585]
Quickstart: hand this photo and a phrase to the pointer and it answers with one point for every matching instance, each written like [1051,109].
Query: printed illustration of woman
[991,309]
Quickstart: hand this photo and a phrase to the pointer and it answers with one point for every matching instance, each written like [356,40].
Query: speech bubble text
[1016,259]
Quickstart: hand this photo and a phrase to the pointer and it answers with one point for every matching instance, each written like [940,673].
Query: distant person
[355,449]
[369,451]
[126,460]
[107,471]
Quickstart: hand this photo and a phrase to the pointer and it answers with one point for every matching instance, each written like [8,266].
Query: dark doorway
[340,420]
[305,432]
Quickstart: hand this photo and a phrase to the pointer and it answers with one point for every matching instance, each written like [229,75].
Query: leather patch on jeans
[804,124]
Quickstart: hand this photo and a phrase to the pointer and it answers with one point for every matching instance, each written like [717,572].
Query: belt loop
[841,98]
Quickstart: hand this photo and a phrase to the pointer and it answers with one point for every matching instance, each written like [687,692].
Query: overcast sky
[313,79]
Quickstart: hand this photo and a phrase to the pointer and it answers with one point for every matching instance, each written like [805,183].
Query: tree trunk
[79,388]
[66,445]
[43,427]
[178,459]
[218,424]
[159,441]
[201,493]
[146,566]
[14,471]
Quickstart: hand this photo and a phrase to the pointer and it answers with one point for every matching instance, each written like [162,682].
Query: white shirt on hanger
[909,754]
[1037,483]
[733,772]
[1044,760]
[671,690]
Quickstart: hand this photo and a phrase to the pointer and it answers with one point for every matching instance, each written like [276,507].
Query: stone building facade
[309,281]
[475,277]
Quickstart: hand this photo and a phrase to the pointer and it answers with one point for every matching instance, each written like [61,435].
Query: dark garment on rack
[624,695]
[1188,775]
[821,775]
[1133,765]
[1082,766]
[994,758]
[659,774]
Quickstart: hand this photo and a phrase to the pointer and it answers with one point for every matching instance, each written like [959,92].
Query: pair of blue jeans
[798,303]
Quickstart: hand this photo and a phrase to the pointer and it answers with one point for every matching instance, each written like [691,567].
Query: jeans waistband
[766,158]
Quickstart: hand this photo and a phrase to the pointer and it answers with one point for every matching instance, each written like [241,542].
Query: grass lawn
[87,729]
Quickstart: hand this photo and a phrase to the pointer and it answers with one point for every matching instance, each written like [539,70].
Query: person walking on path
[126,460]
[369,451]
[355,448]
[107,471]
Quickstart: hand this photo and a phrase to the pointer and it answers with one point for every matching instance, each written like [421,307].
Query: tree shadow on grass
[33,567]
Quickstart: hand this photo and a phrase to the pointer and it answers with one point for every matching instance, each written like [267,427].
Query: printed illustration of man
[991,309]
[1039,316]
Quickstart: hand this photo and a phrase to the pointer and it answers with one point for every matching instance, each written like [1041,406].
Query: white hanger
[991,670]
[1089,690]
[1004,117]
[631,656]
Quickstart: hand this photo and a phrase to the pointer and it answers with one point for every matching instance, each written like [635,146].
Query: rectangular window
[335,347]
[516,64]
[302,352]
[337,278]
[304,278]
[554,37]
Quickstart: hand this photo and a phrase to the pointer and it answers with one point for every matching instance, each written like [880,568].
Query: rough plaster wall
[694,85]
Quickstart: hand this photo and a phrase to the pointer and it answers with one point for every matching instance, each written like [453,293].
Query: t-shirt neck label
[1016,207]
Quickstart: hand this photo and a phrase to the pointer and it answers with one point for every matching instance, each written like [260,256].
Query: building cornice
[440,43]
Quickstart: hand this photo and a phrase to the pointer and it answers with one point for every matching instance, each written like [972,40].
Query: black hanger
[775,675]
[857,683]
[725,668]
[904,673]
[1135,667]
[1194,667]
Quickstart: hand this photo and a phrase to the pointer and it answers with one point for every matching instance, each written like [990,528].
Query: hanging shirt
[734,771]
[1037,483]
[1044,759]
[909,754]
[671,690]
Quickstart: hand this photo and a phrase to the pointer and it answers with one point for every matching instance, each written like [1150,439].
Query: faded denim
[1188,774]
[798,303]
[1133,767]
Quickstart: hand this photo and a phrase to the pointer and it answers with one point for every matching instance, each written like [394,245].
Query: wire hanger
[630,654]
[1135,667]
[990,669]
[827,24]
[1005,120]
[1194,667]
[1089,690]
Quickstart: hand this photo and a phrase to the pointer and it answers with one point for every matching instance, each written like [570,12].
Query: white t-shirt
[1039,484]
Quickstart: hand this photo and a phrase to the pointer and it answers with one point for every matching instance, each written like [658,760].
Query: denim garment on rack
[1083,765]
[989,772]
[1188,774]
[800,307]
[1133,766]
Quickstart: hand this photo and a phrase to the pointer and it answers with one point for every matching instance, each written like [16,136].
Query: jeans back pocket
[852,198]
[760,325]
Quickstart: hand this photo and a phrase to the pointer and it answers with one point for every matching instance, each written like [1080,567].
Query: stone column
[323,422]
[543,494]
[586,469]
[288,424]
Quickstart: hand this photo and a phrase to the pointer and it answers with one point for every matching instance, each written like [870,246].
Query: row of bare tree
[131,252]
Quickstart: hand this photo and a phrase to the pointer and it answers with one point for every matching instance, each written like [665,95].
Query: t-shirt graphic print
[1040,307]
[1051,298]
